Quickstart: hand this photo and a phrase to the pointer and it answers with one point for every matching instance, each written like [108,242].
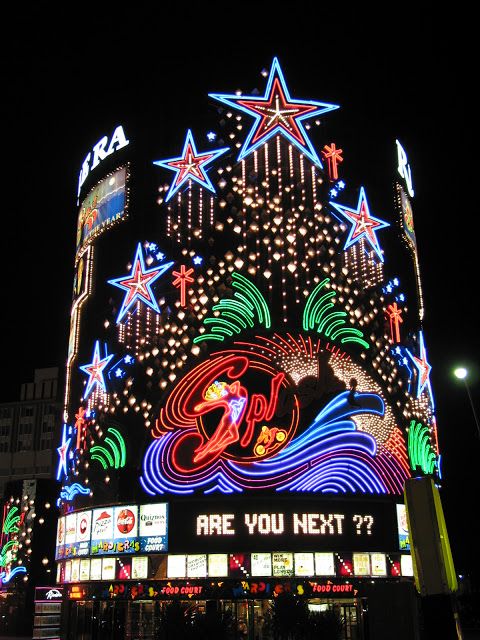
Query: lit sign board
[256,525]
[104,148]
[402,525]
[127,529]
[104,205]
[153,527]
[404,168]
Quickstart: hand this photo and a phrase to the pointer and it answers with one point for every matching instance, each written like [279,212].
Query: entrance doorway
[145,619]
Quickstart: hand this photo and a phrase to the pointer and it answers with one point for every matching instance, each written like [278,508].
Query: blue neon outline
[203,183]
[276,71]
[62,466]
[91,383]
[116,282]
[342,209]
[13,573]
[70,491]
[422,356]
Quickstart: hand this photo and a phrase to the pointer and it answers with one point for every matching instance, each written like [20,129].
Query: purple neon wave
[330,456]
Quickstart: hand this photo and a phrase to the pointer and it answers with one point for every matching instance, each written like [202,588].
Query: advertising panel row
[125,529]
[238,566]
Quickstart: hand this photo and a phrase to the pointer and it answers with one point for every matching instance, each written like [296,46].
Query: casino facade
[247,383]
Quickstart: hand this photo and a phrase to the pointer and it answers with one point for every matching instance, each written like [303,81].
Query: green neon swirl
[208,336]
[242,283]
[318,315]
[223,323]
[309,303]
[97,452]
[420,450]
[121,445]
[11,521]
[329,319]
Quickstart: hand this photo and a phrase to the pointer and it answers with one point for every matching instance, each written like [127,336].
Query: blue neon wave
[70,491]
[330,456]
[12,574]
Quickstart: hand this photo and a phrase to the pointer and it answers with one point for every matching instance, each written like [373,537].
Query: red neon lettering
[260,410]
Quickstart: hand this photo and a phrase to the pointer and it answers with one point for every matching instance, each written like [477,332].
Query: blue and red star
[62,451]
[277,113]
[95,369]
[191,165]
[363,224]
[138,284]
[422,366]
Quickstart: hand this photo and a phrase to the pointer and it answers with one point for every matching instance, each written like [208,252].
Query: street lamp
[461,373]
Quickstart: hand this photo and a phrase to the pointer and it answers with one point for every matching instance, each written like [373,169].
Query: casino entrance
[176,619]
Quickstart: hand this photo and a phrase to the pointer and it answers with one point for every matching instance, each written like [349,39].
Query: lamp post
[461,373]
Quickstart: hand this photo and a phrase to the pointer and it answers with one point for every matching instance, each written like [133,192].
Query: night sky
[68,82]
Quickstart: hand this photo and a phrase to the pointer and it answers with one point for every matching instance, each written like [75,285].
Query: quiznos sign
[104,148]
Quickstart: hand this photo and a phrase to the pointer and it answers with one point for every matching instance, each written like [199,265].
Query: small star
[422,367]
[138,284]
[95,370]
[363,224]
[197,260]
[191,165]
[211,136]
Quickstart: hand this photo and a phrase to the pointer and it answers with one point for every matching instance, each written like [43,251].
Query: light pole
[461,373]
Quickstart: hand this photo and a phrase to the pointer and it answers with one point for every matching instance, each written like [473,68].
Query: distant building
[29,428]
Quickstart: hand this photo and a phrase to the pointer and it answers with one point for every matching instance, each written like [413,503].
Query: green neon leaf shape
[319,315]
[310,302]
[254,296]
[11,521]
[121,445]
[97,452]
[326,325]
[115,451]
[208,336]
[227,314]
[332,325]
[223,330]
[320,307]
[420,451]
[246,308]
[223,323]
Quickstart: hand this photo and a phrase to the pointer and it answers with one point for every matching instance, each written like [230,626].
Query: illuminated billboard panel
[104,205]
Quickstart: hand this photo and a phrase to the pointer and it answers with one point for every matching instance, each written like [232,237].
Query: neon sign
[214,434]
[362,224]
[277,113]
[404,168]
[190,165]
[100,151]
[138,284]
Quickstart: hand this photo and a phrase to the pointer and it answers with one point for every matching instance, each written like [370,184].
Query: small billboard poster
[403,533]
[153,527]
